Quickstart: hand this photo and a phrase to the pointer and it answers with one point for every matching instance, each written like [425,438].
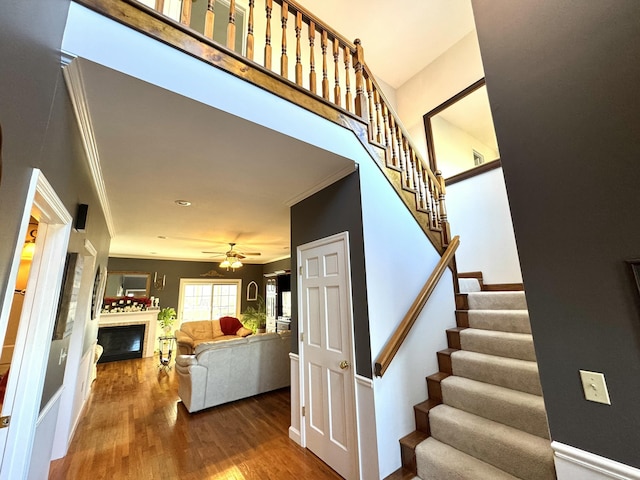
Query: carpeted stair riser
[438,461]
[502,344]
[492,424]
[497,301]
[468,285]
[518,453]
[521,375]
[510,407]
[516,321]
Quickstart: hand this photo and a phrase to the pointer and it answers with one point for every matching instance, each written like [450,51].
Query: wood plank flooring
[135,427]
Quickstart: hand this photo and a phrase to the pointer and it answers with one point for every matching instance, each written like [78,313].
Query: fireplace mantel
[148,318]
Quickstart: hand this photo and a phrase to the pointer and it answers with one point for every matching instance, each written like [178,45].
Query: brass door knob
[344,364]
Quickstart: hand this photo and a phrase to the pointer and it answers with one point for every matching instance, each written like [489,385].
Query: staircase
[485,416]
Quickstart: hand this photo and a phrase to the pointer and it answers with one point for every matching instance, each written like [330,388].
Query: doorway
[326,353]
[33,335]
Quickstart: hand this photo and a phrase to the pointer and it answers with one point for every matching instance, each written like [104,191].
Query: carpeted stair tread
[438,461]
[518,453]
[512,373]
[513,408]
[497,301]
[516,321]
[503,344]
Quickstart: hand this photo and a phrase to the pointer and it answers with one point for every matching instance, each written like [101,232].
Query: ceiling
[399,37]
[173,148]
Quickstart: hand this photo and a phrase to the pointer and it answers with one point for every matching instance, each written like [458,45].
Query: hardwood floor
[135,427]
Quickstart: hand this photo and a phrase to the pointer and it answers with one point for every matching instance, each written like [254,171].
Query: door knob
[344,364]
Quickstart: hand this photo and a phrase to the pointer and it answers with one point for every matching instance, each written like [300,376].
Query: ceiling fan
[233,257]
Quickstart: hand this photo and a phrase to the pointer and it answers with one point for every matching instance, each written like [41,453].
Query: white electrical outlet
[595,387]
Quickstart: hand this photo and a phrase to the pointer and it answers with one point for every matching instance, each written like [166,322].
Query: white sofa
[221,372]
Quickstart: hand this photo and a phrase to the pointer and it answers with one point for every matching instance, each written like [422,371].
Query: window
[478,158]
[208,299]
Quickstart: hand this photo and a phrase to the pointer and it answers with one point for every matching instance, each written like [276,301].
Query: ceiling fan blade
[251,254]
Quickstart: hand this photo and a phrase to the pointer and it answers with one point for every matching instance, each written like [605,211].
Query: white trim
[75,84]
[364,381]
[367,444]
[66,57]
[47,204]
[50,404]
[330,180]
[573,463]
[296,411]
[90,250]
[33,341]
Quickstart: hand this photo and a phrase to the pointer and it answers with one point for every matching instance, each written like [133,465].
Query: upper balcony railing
[313,62]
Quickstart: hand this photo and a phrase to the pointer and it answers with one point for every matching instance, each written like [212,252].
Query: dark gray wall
[335,209]
[563,79]
[39,131]
[175,270]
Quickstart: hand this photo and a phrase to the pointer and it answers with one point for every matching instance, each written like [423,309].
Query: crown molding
[77,91]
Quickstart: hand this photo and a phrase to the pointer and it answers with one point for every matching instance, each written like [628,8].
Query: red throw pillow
[230,325]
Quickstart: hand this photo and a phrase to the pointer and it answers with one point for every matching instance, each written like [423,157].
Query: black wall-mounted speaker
[81,217]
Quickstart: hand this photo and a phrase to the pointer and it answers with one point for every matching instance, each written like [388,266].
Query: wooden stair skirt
[485,417]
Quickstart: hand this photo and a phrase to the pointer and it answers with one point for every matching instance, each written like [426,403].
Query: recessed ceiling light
[183,203]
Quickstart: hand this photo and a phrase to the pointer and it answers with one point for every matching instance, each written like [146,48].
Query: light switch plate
[595,387]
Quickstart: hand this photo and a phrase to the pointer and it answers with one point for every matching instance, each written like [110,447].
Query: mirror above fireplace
[128,284]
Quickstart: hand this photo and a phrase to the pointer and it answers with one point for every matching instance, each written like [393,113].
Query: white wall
[43,441]
[453,71]
[454,148]
[479,212]
[399,258]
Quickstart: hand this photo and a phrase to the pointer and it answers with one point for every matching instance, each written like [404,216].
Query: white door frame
[33,341]
[344,237]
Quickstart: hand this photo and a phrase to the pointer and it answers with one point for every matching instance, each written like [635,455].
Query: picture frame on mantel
[68,302]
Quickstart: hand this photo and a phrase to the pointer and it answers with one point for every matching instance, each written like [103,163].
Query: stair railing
[326,67]
[394,343]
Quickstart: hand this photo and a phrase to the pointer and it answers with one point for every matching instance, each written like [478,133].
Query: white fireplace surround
[148,318]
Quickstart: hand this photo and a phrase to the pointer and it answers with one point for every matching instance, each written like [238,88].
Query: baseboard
[294,434]
[295,430]
[575,464]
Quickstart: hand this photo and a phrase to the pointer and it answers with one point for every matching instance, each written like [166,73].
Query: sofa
[220,372]
[192,334]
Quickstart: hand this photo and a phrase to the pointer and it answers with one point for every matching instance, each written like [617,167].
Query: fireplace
[121,342]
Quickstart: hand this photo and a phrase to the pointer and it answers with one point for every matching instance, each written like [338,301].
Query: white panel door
[326,324]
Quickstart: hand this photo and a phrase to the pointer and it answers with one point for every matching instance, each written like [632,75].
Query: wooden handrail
[395,342]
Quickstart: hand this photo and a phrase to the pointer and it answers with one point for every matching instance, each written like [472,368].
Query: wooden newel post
[446,231]
[361,106]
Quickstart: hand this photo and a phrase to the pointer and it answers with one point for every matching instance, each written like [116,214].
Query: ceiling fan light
[236,264]
[225,263]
